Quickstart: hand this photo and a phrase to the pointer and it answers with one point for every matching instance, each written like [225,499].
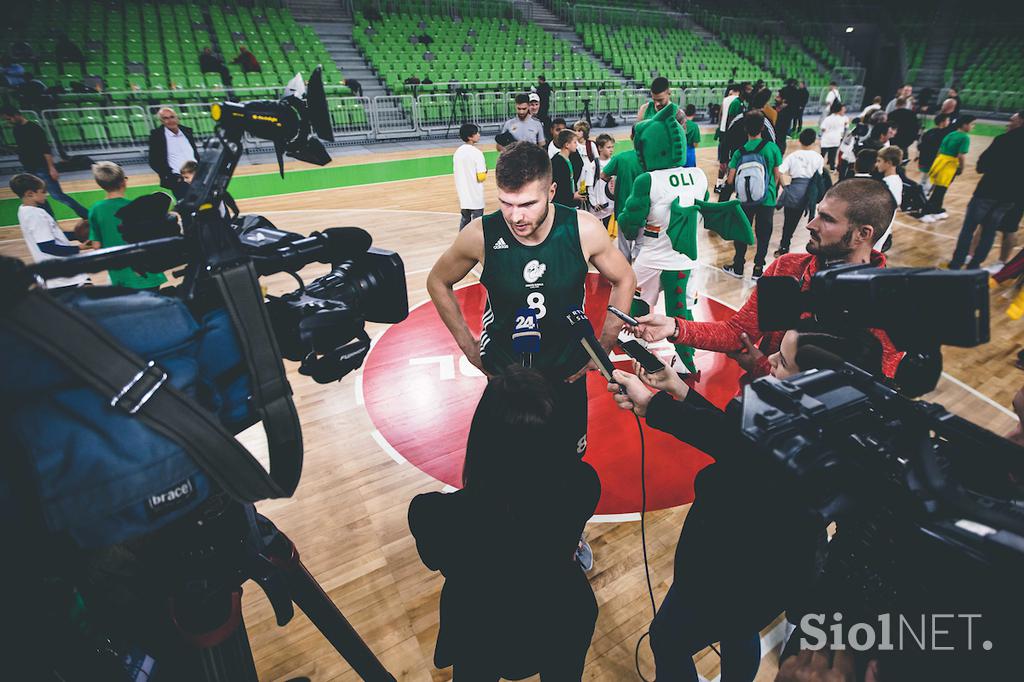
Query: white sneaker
[929,218]
[941,216]
[995,267]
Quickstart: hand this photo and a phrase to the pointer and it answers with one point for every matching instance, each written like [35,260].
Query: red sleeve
[890,356]
[724,336]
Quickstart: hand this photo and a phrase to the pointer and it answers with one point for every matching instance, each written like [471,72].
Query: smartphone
[648,360]
[622,316]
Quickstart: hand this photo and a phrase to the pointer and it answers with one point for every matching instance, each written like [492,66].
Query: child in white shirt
[43,236]
[888,163]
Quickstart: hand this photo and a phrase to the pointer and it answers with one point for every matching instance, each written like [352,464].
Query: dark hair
[520,164]
[467,130]
[603,139]
[964,120]
[556,120]
[659,85]
[808,136]
[835,107]
[879,129]
[861,349]
[564,137]
[868,201]
[865,162]
[941,118]
[760,98]
[691,110]
[522,98]
[831,83]
[23,183]
[733,87]
[510,432]
[753,123]
[542,79]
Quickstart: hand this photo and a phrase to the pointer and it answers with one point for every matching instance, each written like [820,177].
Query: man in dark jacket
[1000,186]
[170,146]
[904,120]
[214,63]
[803,96]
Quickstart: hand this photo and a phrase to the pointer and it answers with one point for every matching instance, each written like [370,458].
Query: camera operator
[716,549]
[536,613]
[850,216]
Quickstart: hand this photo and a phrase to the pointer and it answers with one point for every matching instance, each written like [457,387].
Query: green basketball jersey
[548,277]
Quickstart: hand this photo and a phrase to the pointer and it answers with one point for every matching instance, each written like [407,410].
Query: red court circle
[421,393]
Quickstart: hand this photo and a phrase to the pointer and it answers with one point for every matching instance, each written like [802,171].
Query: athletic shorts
[724,153]
[1011,219]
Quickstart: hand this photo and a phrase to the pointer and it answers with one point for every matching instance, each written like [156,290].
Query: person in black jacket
[716,595]
[1001,185]
[170,147]
[565,173]
[512,619]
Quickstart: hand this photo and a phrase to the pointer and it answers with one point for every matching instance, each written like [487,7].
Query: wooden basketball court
[348,517]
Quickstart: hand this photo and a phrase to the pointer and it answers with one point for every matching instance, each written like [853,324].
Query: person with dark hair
[905,93]
[715,554]
[661,95]
[804,167]
[692,136]
[803,97]
[833,129]
[522,128]
[864,166]
[619,173]
[544,92]
[214,63]
[170,146]
[849,218]
[536,614]
[470,171]
[732,109]
[535,254]
[878,138]
[928,148]
[37,159]
[948,164]
[563,172]
[1000,187]
[67,52]
[905,124]
[831,97]
[355,86]
[762,214]
[761,101]
[43,236]
[557,126]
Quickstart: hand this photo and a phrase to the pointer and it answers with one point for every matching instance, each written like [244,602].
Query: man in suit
[170,146]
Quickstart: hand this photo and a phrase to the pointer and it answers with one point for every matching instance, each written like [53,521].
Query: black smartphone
[648,360]
[623,316]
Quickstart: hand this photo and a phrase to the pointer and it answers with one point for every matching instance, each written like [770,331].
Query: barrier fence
[992,101]
[126,129]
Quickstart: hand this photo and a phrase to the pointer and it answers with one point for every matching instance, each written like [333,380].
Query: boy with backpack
[754,172]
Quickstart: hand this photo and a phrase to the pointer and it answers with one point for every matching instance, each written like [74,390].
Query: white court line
[387,447]
[336,210]
[978,394]
[614,518]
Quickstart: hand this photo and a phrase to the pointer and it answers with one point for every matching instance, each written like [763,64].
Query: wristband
[675,335]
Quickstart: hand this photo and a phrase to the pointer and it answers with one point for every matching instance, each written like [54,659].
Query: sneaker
[758,271]
[941,216]
[781,252]
[585,556]
[995,267]
[731,271]
[928,218]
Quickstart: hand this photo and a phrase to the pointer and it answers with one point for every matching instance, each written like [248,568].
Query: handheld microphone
[526,335]
[579,327]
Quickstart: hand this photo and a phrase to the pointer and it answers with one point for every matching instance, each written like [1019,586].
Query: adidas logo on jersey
[500,244]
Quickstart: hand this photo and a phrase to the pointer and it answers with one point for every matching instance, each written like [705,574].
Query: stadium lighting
[849,29]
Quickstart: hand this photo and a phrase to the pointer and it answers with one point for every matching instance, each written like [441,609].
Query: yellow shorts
[943,170]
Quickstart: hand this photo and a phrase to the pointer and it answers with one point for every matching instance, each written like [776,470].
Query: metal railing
[992,101]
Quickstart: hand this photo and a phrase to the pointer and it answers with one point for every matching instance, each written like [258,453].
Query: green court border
[332,177]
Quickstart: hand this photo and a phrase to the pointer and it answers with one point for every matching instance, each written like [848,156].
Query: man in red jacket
[850,217]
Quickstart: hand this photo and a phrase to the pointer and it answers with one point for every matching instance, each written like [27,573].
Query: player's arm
[637,207]
[613,266]
[453,265]
[641,111]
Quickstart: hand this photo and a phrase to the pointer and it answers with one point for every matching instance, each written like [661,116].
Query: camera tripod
[208,559]
[586,111]
[459,110]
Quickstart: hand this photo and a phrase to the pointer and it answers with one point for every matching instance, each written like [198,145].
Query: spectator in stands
[801,167]
[563,174]
[355,86]
[104,225]
[494,623]
[13,72]
[761,214]
[948,164]
[600,203]
[831,96]
[523,128]
[36,158]
[869,110]
[928,148]
[692,136]
[557,126]
[470,172]
[732,107]
[544,92]
[619,173]
[803,97]
[247,60]
[906,125]
[43,236]
[849,216]
[661,95]
[67,52]
[833,129]
[999,189]
[33,93]
[214,63]
[906,93]
[170,146]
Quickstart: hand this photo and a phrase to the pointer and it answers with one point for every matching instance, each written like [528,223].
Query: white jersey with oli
[685,184]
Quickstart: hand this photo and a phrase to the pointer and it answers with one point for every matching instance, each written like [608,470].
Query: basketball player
[661,95]
[535,254]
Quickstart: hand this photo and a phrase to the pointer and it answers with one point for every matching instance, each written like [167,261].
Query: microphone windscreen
[579,323]
[526,333]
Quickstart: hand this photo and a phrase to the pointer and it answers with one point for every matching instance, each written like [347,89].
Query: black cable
[643,543]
